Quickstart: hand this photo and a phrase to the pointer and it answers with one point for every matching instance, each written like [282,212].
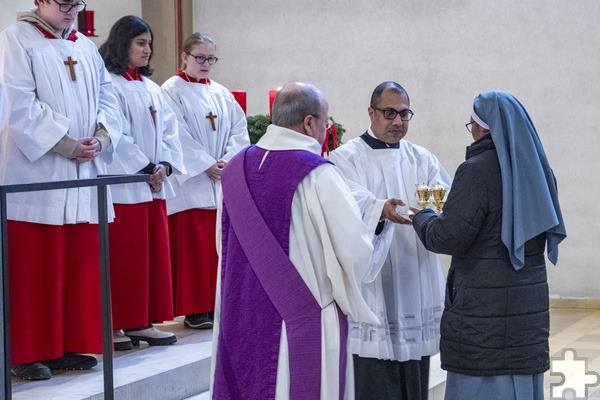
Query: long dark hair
[115,51]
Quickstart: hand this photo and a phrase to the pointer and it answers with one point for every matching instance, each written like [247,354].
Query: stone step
[176,372]
[162,372]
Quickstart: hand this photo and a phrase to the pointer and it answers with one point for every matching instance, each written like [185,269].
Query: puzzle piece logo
[575,376]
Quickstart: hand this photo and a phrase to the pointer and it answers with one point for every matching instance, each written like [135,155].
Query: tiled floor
[574,332]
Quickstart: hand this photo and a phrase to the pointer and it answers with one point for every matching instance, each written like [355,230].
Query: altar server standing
[62,125]
[139,238]
[216,131]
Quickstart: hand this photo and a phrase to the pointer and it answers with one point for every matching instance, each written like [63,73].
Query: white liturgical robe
[149,136]
[203,146]
[45,105]
[331,248]
[406,292]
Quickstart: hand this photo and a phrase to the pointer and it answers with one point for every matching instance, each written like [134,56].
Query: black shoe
[211,315]
[198,321]
[72,362]
[35,371]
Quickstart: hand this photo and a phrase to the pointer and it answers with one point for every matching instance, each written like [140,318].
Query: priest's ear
[371,112]
[308,123]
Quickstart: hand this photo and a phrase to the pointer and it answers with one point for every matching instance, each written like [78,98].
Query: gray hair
[294,102]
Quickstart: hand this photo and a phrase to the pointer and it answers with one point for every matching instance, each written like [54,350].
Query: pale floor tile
[577,330]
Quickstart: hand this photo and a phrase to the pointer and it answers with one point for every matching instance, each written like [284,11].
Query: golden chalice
[438,192]
[423,195]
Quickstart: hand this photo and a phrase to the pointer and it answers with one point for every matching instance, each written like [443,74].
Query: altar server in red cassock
[62,125]
[139,240]
[216,131]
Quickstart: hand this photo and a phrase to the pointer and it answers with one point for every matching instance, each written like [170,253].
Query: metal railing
[107,346]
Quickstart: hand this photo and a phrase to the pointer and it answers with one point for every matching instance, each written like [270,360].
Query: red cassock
[140,265]
[54,275]
[194,259]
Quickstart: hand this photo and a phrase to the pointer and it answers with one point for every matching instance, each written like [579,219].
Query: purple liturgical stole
[260,286]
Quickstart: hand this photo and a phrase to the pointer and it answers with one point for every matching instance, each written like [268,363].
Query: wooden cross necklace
[71,63]
[184,75]
[212,117]
[72,37]
[153,114]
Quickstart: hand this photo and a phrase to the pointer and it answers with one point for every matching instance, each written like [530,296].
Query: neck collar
[183,75]
[377,144]
[132,74]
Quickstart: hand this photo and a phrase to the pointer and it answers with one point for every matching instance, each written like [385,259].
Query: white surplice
[331,248]
[43,105]
[145,139]
[406,291]
[203,146]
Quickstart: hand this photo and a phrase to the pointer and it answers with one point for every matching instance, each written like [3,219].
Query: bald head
[295,101]
[303,108]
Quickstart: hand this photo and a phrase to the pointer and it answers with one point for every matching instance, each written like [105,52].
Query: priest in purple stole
[293,253]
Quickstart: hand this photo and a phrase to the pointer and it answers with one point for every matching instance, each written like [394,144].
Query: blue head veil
[529,196]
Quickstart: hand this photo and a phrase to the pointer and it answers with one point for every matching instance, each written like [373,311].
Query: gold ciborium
[438,192]
[423,195]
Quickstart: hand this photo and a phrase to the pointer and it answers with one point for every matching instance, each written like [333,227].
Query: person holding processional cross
[63,125]
[213,129]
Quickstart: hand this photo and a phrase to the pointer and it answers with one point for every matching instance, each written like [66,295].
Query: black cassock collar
[377,144]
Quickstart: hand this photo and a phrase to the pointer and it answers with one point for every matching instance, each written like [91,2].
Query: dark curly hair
[115,51]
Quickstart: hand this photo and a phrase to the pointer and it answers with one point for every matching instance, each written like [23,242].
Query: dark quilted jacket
[495,320]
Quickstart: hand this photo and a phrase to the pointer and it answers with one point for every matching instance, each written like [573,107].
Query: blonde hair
[195,39]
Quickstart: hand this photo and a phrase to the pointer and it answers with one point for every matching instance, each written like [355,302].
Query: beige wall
[162,17]
[444,52]
[107,12]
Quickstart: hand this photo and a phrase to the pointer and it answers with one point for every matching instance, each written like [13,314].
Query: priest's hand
[215,171]
[157,177]
[86,149]
[390,212]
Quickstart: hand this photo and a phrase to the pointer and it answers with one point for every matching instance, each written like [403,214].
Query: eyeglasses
[67,7]
[390,114]
[201,59]
[470,126]
[328,122]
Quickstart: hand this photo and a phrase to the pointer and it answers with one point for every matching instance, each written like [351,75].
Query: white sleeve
[342,235]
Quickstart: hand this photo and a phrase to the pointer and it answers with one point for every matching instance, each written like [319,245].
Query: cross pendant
[70,62]
[212,117]
[153,114]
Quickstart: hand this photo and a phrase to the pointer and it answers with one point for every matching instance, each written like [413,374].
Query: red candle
[240,97]
[272,94]
[89,23]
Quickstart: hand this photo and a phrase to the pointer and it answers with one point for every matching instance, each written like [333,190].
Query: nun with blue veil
[500,216]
